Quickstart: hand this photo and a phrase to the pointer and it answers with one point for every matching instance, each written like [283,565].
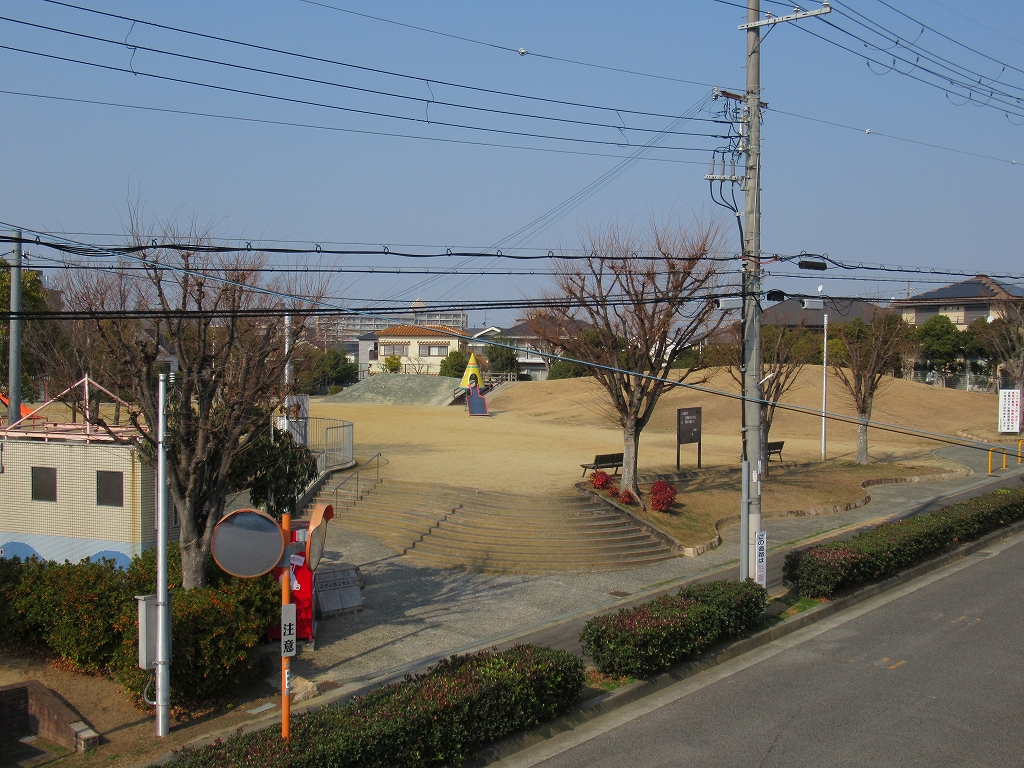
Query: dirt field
[540,432]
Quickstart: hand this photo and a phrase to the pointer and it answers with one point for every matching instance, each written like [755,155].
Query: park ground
[533,443]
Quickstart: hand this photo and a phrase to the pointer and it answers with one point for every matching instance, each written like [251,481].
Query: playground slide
[25,410]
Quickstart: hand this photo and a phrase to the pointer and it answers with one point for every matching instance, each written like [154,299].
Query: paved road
[926,675]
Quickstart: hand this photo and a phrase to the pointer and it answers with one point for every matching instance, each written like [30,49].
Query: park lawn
[715,495]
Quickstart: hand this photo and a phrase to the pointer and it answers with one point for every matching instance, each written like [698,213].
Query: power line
[517,51]
[318,81]
[321,105]
[284,123]
[374,70]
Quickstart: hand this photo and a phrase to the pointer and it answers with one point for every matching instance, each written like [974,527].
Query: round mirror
[247,543]
[317,534]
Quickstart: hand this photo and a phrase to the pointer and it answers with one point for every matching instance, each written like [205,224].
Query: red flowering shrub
[890,547]
[663,496]
[600,480]
[627,497]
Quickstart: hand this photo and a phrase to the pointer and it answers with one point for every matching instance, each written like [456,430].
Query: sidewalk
[415,615]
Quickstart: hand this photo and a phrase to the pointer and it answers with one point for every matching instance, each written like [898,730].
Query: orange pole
[1020,451]
[1004,458]
[286,662]
[990,452]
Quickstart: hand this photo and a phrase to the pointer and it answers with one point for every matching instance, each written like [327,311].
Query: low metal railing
[355,477]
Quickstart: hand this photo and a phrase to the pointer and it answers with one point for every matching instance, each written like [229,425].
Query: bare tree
[1003,340]
[630,317]
[214,326]
[785,352]
[861,354]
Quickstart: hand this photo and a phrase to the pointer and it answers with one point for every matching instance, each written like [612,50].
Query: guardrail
[355,475]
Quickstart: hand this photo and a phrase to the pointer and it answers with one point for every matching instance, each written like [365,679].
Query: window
[434,349]
[387,350]
[44,483]
[109,489]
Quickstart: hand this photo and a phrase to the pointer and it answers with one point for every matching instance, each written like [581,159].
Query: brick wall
[14,708]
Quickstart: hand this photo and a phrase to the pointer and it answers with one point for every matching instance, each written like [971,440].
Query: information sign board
[1009,410]
[761,558]
[688,430]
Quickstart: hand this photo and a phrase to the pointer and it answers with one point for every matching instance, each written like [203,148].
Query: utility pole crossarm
[791,17]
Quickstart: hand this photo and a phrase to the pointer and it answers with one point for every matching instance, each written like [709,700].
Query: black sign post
[687,431]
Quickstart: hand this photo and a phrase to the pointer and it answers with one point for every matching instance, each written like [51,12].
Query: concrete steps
[453,527]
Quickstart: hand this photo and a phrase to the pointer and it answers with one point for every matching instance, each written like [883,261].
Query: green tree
[941,342]
[501,359]
[33,299]
[328,369]
[454,365]
[275,469]
[566,369]
[392,364]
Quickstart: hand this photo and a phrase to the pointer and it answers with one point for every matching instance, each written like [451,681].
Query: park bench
[775,449]
[605,461]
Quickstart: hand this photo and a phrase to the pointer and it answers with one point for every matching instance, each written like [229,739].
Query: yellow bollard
[1020,451]
[990,452]
[1004,458]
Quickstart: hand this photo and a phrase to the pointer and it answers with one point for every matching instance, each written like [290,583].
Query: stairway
[452,527]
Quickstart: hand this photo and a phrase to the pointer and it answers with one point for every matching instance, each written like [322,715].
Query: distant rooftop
[978,288]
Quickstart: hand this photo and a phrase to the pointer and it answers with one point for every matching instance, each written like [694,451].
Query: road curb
[640,689]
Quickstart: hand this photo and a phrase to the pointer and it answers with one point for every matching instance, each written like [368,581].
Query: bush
[392,364]
[890,547]
[86,614]
[524,377]
[439,718]
[565,369]
[601,480]
[663,496]
[650,637]
[740,604]
[454,365]
[627,497]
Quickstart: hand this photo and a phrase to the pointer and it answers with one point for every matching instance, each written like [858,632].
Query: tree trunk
[193,561]
[862,438]
[763,445]
[630,451]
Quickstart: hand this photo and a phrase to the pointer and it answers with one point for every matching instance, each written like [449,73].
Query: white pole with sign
[761,555]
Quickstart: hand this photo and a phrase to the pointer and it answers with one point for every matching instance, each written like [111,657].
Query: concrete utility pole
[751,360]
[14,358]
[750,511]
[163,602]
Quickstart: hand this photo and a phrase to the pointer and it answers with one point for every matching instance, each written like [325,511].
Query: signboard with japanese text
[288,634]
[1009,410]
[761,558]
[688,430]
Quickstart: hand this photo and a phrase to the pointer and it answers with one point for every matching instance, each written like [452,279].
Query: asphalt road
[929,674]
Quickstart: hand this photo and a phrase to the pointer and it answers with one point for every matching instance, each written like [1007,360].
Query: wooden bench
[604,461]
[775,449]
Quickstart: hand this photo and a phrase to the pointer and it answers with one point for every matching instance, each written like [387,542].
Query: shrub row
[440,718]
[653,636]
[86,614]
[885,550]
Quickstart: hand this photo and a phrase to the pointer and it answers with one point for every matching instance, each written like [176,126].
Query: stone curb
[632,692]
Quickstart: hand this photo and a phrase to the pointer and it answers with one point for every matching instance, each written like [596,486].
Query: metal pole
[752,291]
[163,605]
[744,520]
[824,387]
[287,367]
[286,662]
[14,356]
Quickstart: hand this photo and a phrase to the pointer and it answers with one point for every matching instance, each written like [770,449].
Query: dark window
[110,489]
[44,483]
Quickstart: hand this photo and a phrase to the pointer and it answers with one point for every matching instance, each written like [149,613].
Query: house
[420,348]
[71,491]
[963,302]
[790,313]
[519,335]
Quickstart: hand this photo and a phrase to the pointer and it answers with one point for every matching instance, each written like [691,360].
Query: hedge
[651,637]
[440,718]
[86,614]
[823,570]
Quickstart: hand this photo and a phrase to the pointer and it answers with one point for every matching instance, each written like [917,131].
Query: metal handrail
[355,475]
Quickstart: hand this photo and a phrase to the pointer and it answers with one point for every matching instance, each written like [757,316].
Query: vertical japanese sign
[288,629]
[761,555]
[1009,410]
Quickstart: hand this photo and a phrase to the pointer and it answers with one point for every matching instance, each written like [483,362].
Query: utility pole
[824,387]
[163,603]
[14,356]
[750,511]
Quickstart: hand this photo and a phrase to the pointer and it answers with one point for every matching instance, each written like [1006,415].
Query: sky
[75,168]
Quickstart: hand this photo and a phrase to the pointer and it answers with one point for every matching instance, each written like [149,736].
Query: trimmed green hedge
[823,570]
[651,637]
[86,614]
[440,718]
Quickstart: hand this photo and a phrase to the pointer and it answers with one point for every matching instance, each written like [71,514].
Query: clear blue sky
[71,167]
